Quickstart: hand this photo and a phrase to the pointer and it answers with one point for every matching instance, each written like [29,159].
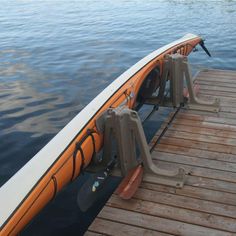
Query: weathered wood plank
[221,148]
[218,88]
[218,127]
[204,144]
[195,152]
[217,94]
[228,109]
[195,192]
[186,202]
[205,118]
[215,74]
[228,80]
[203,129]
[210,82]
[114,228]
[222,115]
[228,142]
[223,100]
[158,223]
[211,184]
[175,213]
[197,162]
[202,182]
[197,171]
[205,124]
[218,71]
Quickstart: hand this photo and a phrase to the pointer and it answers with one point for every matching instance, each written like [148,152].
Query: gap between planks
[170,226]
[194,192]
[144,203]
[109,227]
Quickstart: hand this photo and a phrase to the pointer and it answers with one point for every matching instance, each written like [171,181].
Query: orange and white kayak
[57,164]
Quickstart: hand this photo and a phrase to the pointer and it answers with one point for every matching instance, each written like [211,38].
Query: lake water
[55,56]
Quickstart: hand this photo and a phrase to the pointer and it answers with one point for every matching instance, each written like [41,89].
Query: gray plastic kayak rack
[177,71]
[123,132]
[123,127]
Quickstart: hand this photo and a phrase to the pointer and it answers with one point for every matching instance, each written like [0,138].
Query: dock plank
[204,144]
[150,207]
[212,130]
[216,83]
[182,142]
[158,223]
[192,170]
[109,227]
[194,152]
[203,182]
[195,192]
[201,137]
[223,168]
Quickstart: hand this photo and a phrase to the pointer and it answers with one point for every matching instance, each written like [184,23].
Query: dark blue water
[55,56]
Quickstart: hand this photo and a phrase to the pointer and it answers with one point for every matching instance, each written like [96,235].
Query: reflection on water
[55,56]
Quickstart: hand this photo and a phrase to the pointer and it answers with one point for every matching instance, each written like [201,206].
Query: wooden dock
[205,145]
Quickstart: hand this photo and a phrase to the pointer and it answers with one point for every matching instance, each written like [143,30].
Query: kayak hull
[59,162]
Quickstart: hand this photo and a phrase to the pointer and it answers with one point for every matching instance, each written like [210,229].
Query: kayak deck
[204,144]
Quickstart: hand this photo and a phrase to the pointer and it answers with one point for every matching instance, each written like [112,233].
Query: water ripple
[55,56]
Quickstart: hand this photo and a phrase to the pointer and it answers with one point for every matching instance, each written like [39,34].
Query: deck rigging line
[166,127]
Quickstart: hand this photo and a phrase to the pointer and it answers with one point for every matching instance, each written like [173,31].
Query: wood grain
[203,143]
